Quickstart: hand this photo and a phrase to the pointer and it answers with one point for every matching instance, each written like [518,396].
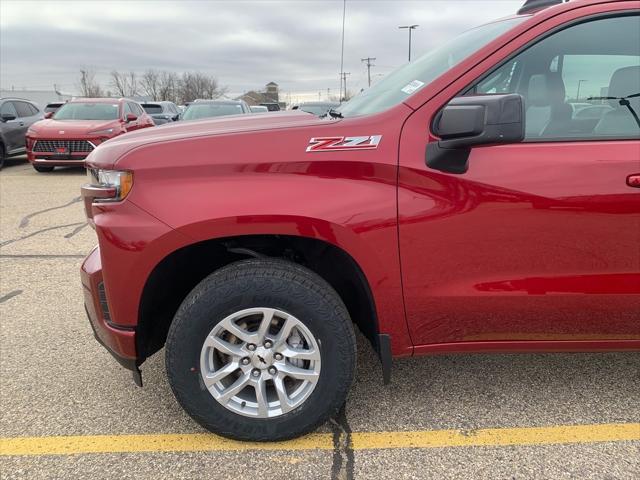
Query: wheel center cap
[262,358]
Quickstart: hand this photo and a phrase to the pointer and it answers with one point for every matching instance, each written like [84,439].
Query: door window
[23,109]
[580,83]
[8,109]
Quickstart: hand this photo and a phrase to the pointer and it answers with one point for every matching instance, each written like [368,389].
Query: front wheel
[43,168]
[261,350]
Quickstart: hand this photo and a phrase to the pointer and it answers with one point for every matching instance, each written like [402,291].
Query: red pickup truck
[483,198]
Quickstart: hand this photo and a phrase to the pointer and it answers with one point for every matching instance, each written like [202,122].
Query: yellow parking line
[499,436]
[70,445]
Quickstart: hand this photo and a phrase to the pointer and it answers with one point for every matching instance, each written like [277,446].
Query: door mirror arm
[466,122]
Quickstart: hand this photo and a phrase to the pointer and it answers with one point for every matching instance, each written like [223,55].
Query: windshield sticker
[331,144]
[412,87]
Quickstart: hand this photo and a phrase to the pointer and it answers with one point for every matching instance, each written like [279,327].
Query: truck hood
[109,152]
[51,128]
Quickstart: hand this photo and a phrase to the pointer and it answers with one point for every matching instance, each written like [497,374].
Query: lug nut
[245,361]
[272,370]
[256,373]
[251,347]
[268,344]
[278,356]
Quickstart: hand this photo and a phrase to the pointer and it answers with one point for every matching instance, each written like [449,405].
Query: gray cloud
[244,43]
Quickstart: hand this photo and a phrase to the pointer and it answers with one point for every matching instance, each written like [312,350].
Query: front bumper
[49,157]
[118,340]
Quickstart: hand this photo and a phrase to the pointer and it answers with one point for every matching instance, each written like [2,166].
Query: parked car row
[64,133]
[68,131]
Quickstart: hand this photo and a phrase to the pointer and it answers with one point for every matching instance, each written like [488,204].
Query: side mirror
[48,115]
[466,122]
[176,117]
[7,116]
[130,117]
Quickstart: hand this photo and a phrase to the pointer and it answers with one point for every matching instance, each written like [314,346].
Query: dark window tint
[151,108]
[582,82]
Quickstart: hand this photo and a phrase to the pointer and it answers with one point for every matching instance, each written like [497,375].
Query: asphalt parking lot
[69,411]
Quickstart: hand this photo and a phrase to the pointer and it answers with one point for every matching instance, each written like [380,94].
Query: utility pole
[410,28]
[580,82]
[343,80]
[344,14]
[368,61]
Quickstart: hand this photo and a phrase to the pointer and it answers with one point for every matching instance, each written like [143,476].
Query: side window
[127,108]
[34,109]
[23,109]
[580,83]
[8,109]
[137,109]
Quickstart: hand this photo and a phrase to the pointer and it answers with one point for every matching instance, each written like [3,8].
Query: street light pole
[410,28]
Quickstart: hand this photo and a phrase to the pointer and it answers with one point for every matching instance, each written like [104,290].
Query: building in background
[270,94]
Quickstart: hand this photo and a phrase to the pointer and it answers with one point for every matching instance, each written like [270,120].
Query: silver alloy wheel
[260,362]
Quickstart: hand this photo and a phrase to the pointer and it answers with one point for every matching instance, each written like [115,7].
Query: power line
[368,61]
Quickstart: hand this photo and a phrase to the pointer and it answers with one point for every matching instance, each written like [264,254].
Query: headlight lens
[114,185]
[32,131]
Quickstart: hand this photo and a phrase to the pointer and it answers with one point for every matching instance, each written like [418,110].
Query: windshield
[87,111]
[317,109]
[205,110]
[402,83]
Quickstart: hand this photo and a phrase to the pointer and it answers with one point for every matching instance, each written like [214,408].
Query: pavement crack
[75,230]
[343,465]
[25,220]
[13,240]
[10,295]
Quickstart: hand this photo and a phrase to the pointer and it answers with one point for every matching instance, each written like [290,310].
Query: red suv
[67,136]
[472,201]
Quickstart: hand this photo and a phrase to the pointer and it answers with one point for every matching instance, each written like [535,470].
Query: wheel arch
[181,270]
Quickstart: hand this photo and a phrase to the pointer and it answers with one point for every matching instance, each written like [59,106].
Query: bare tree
[168,86]
[150,84]
[198,85]
[124,84]
[88,85]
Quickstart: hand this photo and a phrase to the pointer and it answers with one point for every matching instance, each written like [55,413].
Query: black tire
[2,156]
[43,169]
[262,283]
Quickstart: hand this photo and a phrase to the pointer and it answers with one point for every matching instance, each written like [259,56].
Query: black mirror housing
[466,122]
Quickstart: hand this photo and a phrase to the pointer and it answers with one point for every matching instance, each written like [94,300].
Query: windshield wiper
[624,102]
[333,114]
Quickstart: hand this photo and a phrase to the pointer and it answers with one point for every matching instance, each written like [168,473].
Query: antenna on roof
[531,5]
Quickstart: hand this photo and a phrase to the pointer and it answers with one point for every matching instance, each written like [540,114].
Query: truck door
[539,240]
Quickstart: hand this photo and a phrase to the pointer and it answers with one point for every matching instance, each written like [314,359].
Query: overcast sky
[245,44]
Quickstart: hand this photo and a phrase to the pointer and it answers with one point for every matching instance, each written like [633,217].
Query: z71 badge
[332,144]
